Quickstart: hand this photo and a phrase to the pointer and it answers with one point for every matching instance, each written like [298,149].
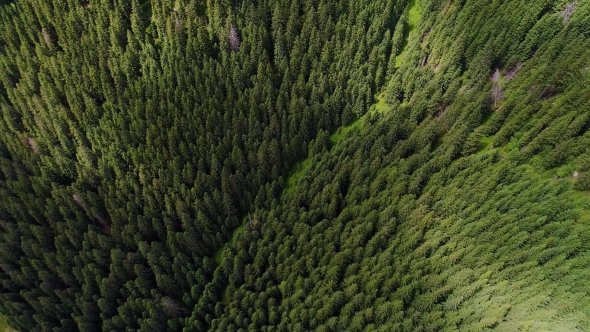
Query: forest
[295,165]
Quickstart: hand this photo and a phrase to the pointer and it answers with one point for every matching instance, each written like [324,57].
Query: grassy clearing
[536,169]
[236,231]
[341,132]
[414,14]
[4,325]
[299,169]
[413,18]
[293,179]
[381,105]
[487,143]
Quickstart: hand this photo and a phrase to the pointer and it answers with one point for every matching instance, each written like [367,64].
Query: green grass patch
[335,138]
[582,197]
[487,142]
[4,325]
[485,145]
[299,169]
[381,105]
[399,59]
[585,215]
[536,168]
[414,14]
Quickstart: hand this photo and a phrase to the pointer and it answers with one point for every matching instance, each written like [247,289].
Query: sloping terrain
[295,165]
[461,205]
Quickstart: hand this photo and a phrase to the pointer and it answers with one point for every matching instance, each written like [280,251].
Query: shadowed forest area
[295,165]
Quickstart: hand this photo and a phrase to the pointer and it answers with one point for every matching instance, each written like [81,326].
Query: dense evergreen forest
[295,165]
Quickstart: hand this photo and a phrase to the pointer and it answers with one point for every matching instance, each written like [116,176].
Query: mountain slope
[462,205]
[295,165]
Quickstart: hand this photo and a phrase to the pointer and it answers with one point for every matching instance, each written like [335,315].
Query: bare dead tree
[512,73]
[547,93]
[234,39]
[46,37]
[425,34]
[498,94]
[497,91]
[177,23]
[424,61]
[33,145]
[496,76]
[442,109]
[568,11]
[171,307]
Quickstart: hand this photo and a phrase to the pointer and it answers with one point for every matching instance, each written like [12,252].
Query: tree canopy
[295,165]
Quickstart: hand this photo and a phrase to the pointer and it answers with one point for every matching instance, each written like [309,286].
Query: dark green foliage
[583,182]
[140,138]
[135,135]
[443,213]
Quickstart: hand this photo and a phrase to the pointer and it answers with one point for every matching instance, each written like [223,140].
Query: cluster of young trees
[136,134]
[487,244]
[456,209]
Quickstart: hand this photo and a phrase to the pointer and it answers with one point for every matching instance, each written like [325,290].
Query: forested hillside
[295,165]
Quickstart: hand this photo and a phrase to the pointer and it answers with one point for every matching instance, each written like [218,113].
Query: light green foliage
[295,165]
[4,325]
[448,212]
[300,169]
[135,136]
[343,131]
[413,17]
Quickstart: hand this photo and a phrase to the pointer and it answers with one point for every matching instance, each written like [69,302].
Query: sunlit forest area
[294,165]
